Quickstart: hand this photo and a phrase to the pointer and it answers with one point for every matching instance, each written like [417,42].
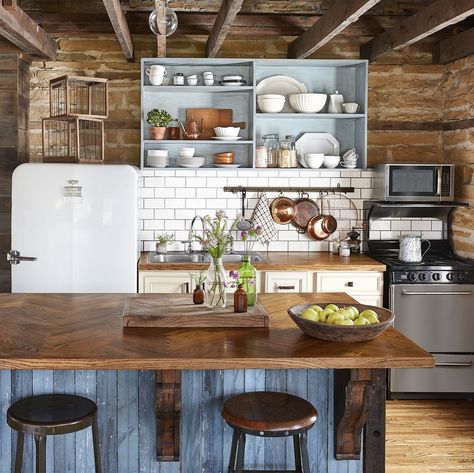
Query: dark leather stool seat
[269,414]
[51,414]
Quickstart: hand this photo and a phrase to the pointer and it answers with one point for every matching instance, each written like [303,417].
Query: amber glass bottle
[198,295]
[240,300]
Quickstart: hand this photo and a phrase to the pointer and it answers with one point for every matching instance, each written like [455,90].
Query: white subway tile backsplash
[187,192]
[151,182]
[196,182]
[401,225]
[421,225]
[164,214]
[175,182]
[165,192]
[153,203]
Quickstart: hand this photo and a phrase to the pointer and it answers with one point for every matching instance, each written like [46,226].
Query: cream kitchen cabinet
[366,287]
[177,282]
[287,281]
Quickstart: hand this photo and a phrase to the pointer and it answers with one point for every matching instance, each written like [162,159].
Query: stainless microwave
[414,182]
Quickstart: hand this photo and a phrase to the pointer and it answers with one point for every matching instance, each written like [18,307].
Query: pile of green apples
[333,315]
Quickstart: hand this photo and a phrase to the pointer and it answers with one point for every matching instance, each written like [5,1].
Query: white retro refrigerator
[76,224]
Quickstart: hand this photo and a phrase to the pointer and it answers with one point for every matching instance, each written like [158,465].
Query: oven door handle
[434,293]
[459,364]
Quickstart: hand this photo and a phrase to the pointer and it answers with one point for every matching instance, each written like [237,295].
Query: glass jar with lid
[261,156]
[272,145]
[287,153]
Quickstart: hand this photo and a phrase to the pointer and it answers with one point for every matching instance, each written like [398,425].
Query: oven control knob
[436,277]
[460,276]
[450,276]
[412,276]
[422,276]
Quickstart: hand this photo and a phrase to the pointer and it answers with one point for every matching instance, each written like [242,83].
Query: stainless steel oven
[440,318]
[414,182]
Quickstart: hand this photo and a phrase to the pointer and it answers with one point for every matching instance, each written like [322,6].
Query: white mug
[350,107]
[156,70]
[192,80]
[208,81]
[208,75]
[156,79]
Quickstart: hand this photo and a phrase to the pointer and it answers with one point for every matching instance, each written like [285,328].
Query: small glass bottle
[178,79]
[198,295]
[174,130]
[287,153]
[272,144]
[240,300]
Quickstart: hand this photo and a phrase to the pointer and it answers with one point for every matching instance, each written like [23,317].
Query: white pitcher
[410,248]
[335,102]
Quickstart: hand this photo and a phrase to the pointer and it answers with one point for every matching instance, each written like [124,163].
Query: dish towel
[262,217]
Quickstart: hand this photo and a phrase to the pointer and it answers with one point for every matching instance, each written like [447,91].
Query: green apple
[370,315]
[333,317]
[333,307]
[343,322]
[361,321]
[348,314]
[355,311]
[323,316]
[310,314]
[317,308]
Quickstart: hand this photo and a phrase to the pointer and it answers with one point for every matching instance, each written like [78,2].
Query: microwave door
[414,182]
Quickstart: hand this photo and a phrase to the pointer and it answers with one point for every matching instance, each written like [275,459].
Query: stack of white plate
[157,158]
[191,162]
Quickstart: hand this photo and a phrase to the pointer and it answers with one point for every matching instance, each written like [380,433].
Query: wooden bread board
[178,311]
[209,118]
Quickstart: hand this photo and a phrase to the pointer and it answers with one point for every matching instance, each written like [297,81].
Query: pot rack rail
[281,190]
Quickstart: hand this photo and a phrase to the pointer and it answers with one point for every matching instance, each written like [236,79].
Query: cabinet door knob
[350,284]
[287,288]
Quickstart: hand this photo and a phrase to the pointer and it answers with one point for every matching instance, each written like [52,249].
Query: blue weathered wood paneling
[126,401]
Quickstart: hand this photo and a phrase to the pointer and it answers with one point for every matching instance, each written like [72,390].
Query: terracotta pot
[157,132]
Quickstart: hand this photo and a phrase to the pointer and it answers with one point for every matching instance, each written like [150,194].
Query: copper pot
[283,210]
[321,226]
[224,158]
[306,209]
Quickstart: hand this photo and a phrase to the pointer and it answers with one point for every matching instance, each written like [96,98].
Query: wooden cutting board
[209,118]
[178,311]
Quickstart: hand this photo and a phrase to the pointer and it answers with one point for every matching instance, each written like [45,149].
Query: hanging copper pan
[321,226]
[306,209]
[283,210]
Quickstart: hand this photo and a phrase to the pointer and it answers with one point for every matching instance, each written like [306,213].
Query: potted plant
[163,239]
[159,119]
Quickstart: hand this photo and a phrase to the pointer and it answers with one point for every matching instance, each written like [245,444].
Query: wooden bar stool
[269,414]
[51,414]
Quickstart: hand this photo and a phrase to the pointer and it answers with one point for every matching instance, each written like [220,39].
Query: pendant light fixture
[170,23]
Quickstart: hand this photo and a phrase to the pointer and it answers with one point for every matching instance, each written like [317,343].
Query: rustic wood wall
[14,138]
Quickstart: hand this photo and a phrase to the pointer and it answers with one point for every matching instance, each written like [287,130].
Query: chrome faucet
[189,241]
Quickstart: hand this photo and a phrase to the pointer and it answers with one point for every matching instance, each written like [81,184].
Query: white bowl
[157,161]
[308,103]
[314,160]
[227,131]
[187,152]
[331,162]
[271,103]
[158,152]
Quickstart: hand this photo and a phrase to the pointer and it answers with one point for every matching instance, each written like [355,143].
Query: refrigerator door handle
[14,257]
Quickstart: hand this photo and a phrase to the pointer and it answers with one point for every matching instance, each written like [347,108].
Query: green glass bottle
[248,279]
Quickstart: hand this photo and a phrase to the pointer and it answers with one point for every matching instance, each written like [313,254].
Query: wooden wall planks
[127,429]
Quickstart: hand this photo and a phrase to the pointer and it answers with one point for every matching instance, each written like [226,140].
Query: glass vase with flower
[247,272]
[215,240]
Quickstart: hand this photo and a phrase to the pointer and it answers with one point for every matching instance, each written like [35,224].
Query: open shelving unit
[349,77]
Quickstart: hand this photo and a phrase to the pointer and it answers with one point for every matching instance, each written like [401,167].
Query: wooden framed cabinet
[162,282]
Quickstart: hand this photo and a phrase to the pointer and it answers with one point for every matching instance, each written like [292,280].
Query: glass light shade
[171,22]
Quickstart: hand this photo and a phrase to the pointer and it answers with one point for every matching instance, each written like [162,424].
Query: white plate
[226,138]
[324,143]
[281,85]
[227,165]
[232,84]
[183,165]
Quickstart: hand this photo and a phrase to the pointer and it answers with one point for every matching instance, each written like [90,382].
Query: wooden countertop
[296,261]
[84,331]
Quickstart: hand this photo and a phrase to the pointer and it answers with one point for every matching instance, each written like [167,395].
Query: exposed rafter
[119,23]
[222,25]
[18,28]
[456,47]
[161,38]
[431,19]
[339,16]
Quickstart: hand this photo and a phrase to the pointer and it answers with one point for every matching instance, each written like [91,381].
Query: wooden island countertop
[84,331]
[279,261]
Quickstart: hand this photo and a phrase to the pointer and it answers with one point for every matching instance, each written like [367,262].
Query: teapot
[192,131]
[410,248]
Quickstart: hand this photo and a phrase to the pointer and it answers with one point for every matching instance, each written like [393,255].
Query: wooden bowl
[224,158]
[342,333]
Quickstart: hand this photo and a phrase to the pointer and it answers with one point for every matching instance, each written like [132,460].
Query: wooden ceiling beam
[18,28]
[456,47]
[222,25]
[431,19]
[339,16]
[161,38]
[120,26]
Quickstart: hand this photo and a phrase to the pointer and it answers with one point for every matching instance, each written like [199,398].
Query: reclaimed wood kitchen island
[84,332]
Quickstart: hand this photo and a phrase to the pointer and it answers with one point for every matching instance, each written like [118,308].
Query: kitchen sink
[177,257]
[238,257]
